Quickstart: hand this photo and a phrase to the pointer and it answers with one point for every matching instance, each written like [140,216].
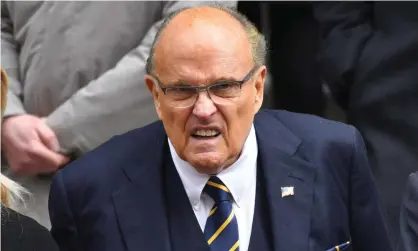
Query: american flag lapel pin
[288,191]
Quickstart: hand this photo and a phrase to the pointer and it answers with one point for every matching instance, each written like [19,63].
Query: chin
[208,164]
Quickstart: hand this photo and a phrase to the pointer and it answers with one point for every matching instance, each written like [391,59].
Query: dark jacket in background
[370,61]
[409,216]
[21,233]
[293,38]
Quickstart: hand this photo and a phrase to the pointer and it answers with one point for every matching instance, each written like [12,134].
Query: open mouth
[206,134]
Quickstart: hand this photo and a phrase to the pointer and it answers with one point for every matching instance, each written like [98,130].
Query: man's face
[209,135]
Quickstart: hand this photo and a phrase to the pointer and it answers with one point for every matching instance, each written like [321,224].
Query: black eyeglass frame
[207,87]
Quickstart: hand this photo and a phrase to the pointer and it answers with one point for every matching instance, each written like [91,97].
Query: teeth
[206,133]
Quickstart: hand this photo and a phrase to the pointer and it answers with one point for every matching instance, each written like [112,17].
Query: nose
[204,106]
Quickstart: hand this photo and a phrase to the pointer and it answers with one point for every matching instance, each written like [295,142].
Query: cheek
[175,123]
[245,109]
[239,120]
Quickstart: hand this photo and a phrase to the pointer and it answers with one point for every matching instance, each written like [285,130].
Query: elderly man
[76,78]
[215,173]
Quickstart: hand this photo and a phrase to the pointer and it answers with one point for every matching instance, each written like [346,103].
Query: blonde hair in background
[11,192]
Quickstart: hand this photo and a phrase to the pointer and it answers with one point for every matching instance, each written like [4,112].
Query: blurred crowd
[76,78]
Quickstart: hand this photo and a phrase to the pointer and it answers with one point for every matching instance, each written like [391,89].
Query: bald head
[201,31]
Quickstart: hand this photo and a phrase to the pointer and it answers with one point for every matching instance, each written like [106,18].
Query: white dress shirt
[240,178]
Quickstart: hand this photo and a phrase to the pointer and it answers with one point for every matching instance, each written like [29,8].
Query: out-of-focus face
[201,48]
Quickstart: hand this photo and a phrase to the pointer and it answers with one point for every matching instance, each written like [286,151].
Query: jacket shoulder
[308,127]
[320,138]
[108,158]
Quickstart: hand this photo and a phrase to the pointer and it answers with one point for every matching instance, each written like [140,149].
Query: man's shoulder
[306,126]
[118,151]
[313,137]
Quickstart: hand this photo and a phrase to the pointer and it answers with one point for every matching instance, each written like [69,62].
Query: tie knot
[216,189]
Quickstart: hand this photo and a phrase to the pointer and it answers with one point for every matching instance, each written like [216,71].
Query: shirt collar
[232,177]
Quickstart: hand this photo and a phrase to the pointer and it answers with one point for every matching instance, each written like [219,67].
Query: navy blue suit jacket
[112,198]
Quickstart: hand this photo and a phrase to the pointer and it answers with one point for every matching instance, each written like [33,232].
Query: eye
[226,89]
[223,86]
[178,93]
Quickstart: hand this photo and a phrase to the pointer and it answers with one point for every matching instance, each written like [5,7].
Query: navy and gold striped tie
[221,230]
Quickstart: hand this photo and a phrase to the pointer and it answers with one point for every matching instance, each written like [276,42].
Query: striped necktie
[221,230]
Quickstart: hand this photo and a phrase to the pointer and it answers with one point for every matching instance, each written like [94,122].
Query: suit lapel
[140,205]
[290,215]
[141,215]
[185,230]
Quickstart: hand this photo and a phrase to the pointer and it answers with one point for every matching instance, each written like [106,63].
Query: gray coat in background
[82,64]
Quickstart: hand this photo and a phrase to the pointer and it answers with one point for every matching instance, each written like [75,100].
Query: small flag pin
[288,191]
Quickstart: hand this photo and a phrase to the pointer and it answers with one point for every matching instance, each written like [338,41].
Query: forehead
[202,52]
[202,70]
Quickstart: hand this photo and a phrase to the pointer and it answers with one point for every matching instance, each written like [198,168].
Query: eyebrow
[179,83]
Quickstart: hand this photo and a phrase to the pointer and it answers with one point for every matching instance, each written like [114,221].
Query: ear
[153,88]
[259,88]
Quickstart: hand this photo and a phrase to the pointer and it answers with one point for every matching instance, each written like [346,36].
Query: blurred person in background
[293,38]
[76,78]
[370,62]
[19,232]
[409,216]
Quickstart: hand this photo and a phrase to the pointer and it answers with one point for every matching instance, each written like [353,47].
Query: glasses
[221,92]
